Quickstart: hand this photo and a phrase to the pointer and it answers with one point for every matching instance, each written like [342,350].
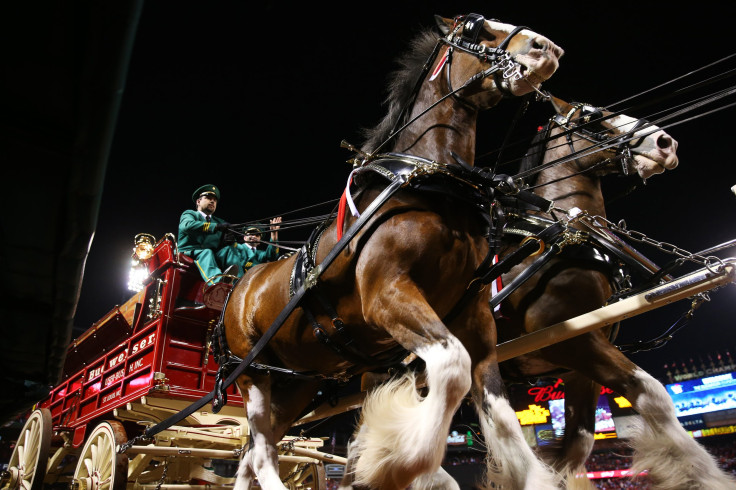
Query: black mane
[400,87]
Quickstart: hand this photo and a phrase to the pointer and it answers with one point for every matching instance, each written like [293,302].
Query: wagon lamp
[143,246]
[142,252]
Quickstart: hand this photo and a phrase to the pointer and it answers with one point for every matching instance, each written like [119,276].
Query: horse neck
[450,126]
[565,185]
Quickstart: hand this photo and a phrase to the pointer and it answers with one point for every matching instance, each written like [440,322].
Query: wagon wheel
[100,467]
[304,476]
[27,465]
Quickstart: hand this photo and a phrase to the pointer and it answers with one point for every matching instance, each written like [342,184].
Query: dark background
[256,100]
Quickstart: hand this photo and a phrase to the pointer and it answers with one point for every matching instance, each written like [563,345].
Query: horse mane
[534,156]
[400,87]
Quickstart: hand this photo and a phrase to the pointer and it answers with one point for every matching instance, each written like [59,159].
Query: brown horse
[401,266]
[576,281]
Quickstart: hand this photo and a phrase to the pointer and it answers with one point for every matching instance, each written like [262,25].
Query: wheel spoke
[30,456]
[95,450]
[22,450]
[105,470]
[104,484]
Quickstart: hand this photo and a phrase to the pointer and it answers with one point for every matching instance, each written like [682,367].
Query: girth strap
[339,342]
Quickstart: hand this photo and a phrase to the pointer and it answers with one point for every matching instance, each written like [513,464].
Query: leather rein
[621,146]
[463,37]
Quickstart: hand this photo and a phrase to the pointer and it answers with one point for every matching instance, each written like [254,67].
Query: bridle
[622,146]
[463,37]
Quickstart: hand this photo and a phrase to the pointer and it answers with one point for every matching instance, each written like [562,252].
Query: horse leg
[440,480]
[511,463]
[261,459]
[581,400]
[672,458]
[402,435]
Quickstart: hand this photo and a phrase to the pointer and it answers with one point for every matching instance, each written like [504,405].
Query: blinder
[464,36]
[591,118]
[472,25]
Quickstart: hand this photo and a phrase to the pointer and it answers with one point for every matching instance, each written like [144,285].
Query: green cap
[206,189]
[252,230]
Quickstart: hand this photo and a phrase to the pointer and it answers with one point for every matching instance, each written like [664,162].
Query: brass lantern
[143,249]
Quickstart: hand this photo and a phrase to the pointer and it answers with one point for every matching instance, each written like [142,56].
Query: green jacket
[195,233]
[250,257]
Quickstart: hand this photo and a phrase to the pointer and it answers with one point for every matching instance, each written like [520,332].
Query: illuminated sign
[622,402]
[457,439]
[704,395]
[535,414]
[714,431]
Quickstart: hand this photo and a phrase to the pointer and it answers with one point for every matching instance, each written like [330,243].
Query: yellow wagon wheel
[100,467]
[27,465]
[304,476]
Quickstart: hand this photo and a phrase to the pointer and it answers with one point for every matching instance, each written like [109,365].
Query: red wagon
[140,364]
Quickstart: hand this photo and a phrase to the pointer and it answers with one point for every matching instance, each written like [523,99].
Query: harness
[597,244]
[463,37]
[473,187]
[588,126]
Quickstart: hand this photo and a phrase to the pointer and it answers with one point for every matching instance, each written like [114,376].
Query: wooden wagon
[141,363]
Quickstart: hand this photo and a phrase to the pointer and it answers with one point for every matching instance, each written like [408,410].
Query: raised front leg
[663,444]
[402,434]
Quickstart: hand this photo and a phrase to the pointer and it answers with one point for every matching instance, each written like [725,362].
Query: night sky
[257,102]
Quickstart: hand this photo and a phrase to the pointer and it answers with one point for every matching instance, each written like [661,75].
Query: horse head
[446,79]
[640,146]
[520,59]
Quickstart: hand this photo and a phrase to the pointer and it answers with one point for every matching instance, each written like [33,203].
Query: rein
[620,145]
[501,62]
[406,169]
[398,182]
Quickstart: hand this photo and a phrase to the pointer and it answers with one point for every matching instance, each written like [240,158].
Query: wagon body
[143,362]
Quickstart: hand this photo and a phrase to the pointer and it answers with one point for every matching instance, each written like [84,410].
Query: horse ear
[445,25]
[561,107]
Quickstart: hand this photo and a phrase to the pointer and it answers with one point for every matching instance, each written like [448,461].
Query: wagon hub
[10,478]
[87,483]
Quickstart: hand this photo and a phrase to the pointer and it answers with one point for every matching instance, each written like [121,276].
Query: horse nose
[667,145]
[546,46]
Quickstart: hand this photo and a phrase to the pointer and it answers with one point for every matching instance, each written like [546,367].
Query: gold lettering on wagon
[135,348]
[111,396]
[93,373]
[115,377]
[135,366]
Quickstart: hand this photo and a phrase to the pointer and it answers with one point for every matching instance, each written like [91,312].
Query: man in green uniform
[200,237]
[249,252]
